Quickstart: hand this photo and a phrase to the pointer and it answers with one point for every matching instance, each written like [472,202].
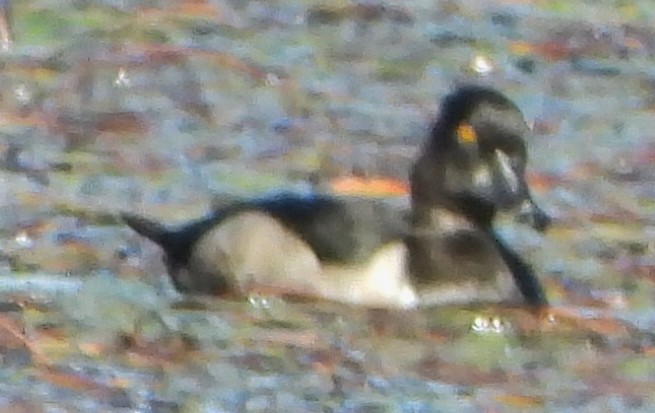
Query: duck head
[474,161]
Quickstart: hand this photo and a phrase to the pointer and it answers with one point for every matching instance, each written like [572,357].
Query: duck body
[362,251]
[289,243]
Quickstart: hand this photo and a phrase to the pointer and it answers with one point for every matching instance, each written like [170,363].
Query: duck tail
[148,228]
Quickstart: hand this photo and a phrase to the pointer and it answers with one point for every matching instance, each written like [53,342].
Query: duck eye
[466,134]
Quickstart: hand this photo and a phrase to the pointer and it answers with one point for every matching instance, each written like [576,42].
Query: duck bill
[530,214]
[512,191]
[525,210]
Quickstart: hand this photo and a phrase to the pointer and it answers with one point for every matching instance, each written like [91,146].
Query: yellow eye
[466,133]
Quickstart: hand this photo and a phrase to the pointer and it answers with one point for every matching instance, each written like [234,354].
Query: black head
[475,159]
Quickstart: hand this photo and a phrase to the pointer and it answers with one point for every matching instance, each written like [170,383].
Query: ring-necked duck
[365,252]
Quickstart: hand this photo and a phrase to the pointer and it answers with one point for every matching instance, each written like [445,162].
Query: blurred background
[168,107]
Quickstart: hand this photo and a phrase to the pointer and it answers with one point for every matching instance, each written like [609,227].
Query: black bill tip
[534,216]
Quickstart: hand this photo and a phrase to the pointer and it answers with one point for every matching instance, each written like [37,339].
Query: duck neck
[434,207]
[436,217]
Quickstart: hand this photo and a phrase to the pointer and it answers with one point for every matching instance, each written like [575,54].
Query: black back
[338,230]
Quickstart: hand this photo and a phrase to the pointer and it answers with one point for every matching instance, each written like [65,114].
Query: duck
[361,251]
